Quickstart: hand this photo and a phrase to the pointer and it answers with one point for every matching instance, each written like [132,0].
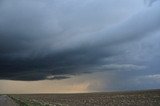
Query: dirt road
[6,101]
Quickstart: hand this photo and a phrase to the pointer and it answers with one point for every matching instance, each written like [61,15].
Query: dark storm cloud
[44,38]
[71,62]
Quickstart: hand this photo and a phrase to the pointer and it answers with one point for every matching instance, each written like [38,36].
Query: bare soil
[137,98]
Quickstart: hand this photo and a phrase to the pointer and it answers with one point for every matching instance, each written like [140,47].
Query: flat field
[136,98]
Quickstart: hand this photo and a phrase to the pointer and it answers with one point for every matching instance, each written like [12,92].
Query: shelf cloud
[59,39]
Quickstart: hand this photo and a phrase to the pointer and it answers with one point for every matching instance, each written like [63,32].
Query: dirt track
[6,101]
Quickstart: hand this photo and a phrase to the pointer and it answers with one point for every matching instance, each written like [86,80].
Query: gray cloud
[149,2]
[44,38]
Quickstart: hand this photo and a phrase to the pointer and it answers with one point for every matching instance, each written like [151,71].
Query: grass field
[136,98]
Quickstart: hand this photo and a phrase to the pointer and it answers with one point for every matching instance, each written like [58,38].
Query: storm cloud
[55,39]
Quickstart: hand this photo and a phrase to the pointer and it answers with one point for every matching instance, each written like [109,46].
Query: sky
[70,46]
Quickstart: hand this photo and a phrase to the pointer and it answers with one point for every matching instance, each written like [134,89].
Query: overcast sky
[71,43]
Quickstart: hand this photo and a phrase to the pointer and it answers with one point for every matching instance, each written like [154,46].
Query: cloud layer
[55,39]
